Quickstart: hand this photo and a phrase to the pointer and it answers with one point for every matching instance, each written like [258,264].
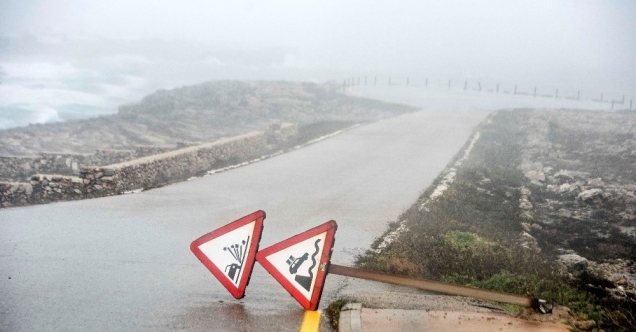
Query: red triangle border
[237,292]
[330,227]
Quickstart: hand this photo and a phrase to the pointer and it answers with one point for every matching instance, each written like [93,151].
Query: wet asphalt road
[123,263]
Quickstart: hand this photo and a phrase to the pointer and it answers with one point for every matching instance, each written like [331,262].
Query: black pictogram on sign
[238,252]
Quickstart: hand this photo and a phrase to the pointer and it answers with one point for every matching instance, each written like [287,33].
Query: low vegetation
[473,234]
[333,312]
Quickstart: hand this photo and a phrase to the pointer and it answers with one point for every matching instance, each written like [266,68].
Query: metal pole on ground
[435,286]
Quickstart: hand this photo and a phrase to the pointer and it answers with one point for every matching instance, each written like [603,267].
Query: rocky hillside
[199,113]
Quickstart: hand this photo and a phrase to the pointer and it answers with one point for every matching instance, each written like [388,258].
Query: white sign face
[299,263]
[228,251]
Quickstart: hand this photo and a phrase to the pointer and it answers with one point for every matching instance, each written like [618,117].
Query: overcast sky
[589,45]
[471,38]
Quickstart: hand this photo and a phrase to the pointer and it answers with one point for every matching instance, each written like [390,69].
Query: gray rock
[28,189]
[525,204]
[595,196]
[572,260]
[595,182]
[529,242]
[566,187]
[535,177]
[525,226]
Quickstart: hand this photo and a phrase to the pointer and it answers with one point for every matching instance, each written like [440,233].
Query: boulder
[592,196]
[535,177]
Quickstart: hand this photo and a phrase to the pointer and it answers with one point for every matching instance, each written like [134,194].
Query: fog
[63,60]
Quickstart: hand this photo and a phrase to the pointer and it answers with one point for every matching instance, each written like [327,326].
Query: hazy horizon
[61,60]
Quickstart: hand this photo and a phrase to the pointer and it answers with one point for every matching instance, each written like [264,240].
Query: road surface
[123,263]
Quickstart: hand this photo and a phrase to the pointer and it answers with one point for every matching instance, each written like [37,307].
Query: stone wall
[21,168]
[142,173]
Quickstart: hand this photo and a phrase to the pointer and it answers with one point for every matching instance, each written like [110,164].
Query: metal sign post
[435,286]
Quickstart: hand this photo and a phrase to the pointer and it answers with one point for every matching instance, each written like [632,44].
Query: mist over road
[123,262]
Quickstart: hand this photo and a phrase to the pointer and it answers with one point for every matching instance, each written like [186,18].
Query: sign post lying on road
[300,263]
[436,286]
[229,252]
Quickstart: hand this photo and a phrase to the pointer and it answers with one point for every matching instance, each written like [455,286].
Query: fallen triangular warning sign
[229,251]
[300,263]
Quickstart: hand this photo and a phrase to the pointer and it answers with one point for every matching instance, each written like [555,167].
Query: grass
[470,234]
[333,312]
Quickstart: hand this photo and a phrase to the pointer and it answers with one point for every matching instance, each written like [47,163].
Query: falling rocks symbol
[229,252]
[300,263]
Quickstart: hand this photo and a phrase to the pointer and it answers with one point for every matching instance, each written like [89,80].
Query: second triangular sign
[300,263]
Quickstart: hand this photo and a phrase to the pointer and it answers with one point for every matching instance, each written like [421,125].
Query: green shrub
[333,312]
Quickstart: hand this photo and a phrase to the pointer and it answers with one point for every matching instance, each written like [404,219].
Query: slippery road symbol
[295,263]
